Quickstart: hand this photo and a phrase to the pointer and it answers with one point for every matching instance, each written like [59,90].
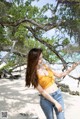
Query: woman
[42,78]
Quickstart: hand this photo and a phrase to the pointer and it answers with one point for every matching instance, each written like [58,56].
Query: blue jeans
[48,107]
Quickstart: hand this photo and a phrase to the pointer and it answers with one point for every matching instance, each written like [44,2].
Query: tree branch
[78,78]
[49,46]
[69,2]
[44,27]
[15,52]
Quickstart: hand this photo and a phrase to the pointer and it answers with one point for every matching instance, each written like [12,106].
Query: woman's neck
[41,65]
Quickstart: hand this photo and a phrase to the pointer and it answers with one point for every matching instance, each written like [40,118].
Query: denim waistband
[56,92]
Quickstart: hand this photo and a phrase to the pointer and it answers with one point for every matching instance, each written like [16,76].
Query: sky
[43,2]
[54,31]
[40,4]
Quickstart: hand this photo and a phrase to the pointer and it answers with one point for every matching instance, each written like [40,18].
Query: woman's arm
[60,75]
[48,97]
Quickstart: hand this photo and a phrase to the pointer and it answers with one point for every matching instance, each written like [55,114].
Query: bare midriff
[52,88]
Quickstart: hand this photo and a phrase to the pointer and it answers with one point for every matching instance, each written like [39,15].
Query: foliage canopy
[25,23]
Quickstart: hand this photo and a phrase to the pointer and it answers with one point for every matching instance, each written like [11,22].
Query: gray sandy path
[17,100]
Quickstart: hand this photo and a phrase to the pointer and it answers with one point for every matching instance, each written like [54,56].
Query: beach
[20,102]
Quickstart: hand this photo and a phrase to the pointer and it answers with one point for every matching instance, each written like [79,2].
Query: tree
[70,13]
[23,22]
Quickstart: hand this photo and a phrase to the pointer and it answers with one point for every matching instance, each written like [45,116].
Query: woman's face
[40,59]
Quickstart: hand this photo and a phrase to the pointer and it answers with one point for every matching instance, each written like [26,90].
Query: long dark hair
[31,71]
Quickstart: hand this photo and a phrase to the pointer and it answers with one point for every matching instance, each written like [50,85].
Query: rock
[74,92]
[65,88]
[29,116]
[15,76]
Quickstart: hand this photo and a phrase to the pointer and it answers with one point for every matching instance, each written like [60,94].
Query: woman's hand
[58,106]
[78,63]
[75,64]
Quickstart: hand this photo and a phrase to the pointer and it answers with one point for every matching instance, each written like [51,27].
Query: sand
[20,102]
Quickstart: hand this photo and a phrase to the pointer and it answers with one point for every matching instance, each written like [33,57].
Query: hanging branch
[48,45]
[55,9]
[76,78]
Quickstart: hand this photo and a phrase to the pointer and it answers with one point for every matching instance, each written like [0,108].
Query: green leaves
[70,13]
[22,22]
[65,42]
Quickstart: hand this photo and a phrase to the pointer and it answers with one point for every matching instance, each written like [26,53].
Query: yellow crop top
[46,81]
